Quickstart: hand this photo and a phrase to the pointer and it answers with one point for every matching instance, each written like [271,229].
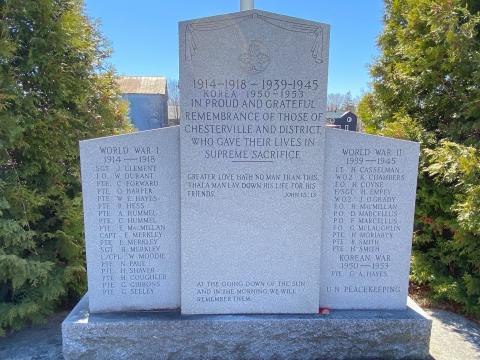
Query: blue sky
[143,33]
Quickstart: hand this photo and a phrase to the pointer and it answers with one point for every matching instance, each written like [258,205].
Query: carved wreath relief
[255,58]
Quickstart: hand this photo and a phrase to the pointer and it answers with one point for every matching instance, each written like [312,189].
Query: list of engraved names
[129,227]
[366,225]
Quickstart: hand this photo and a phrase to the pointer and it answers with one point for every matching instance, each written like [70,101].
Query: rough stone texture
[344,334]
[131,201]
[251,186]
[453,337]
[369,203]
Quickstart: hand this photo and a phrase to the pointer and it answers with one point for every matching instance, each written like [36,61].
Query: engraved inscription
[368,220]
[131,211]
[252,136]
[130,229]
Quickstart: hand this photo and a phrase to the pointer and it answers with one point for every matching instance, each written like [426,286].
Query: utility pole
[247,5]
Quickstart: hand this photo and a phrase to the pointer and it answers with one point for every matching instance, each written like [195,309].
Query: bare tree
[348,103]
[334,102]
[342,102]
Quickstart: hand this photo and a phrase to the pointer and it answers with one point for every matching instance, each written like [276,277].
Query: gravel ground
[453,338]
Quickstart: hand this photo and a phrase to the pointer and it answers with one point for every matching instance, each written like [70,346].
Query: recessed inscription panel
[131,200]
[253,94]
[369,204]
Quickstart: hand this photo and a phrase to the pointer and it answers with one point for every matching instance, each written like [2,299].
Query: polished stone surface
[369,204]
[131,202]
[253,91]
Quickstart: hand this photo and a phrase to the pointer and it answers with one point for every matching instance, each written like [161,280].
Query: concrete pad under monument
[253,91]
[131,201]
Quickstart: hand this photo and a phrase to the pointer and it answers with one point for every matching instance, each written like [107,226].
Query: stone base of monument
[343,334]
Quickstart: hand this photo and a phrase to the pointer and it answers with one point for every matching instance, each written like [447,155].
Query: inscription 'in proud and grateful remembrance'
[252,140]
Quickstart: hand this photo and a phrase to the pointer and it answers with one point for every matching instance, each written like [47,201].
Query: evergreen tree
[54,91]
[426,88]
[429,68]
